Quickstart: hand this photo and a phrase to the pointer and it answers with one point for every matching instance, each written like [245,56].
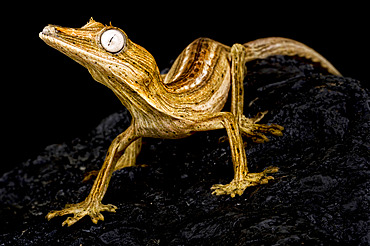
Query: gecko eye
[113,40]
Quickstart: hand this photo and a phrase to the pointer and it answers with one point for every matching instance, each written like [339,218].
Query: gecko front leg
[242,178]
[128,159]
[92,205]
[236,125]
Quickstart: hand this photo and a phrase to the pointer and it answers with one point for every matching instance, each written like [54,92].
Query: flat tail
[264,47]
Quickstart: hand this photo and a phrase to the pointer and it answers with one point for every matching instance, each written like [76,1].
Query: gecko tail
[264,47]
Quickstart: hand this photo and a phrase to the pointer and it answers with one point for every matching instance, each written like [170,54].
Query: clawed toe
[275,129]
[109,208]
[71,220]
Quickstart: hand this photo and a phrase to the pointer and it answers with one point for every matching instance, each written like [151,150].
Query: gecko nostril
[49,30]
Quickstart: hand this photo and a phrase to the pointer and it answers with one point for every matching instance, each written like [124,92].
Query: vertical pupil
[110,41]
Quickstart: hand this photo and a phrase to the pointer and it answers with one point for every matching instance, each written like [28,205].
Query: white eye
[113,40]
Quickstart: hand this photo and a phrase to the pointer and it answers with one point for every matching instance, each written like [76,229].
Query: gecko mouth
[50,36]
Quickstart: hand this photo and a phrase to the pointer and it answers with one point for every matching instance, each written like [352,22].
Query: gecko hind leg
[248,126]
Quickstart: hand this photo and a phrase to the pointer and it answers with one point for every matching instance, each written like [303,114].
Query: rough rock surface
[320,196]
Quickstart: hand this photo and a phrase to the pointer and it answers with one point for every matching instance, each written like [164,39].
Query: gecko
[190,98]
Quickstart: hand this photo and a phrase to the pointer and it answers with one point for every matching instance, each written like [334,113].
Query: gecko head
[110,56]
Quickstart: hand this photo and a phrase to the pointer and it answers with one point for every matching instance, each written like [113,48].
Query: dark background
[48,98]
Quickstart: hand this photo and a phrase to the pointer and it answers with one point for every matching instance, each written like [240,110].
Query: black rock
[320,196]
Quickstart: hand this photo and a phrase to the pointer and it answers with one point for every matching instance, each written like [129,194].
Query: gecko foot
[256,131]
[237,187]
[87,207]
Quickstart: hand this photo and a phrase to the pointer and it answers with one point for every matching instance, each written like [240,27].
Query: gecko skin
[189,98]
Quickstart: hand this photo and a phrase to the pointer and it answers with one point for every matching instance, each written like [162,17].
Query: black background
[48,98]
